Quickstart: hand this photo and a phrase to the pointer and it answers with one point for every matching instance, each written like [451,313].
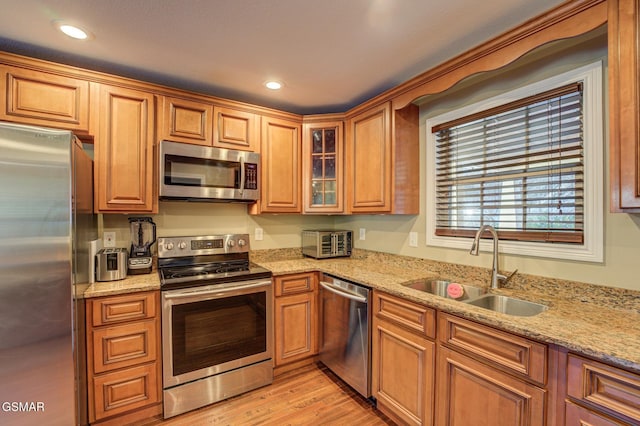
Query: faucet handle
[505,279]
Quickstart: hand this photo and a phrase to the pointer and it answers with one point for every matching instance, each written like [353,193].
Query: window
[528,162]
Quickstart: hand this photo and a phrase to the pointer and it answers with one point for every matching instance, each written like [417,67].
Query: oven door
[212,329]
[199,172]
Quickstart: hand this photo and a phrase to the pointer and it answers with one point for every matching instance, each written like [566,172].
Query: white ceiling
[330,54]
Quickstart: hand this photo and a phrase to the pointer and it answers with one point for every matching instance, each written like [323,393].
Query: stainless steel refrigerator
[46,223]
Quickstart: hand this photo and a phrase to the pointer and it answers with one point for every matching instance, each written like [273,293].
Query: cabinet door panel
[624,104]
[281,168]
[471,393]
[322,167]
[403,373]
[295,327]
[370,161]
[39,98]
[235,129]
[124,150]
[187,121]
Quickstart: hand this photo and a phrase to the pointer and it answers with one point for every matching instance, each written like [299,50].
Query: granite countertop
[601,322]
[597,321]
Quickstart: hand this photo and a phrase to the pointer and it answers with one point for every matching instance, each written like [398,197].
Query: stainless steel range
[217,320]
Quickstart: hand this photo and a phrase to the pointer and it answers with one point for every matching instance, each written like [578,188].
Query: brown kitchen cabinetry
[295,319]
[44,99]
[235,129]
[124,157]
[281,167]
[624,104]
[383,161]
[187,121]
[488,377]
[123,357]
[323,167]
[600,394]
[403,359]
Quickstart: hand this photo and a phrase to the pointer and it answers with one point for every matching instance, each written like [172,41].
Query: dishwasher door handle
[344,293]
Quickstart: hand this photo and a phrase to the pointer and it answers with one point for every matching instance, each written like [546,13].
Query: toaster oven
[326,243]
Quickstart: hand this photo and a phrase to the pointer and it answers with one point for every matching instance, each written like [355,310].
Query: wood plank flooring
[310,395]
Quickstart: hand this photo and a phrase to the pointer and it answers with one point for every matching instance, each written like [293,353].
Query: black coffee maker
[143,235]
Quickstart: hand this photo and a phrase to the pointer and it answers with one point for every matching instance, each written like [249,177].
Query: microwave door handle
[242,175]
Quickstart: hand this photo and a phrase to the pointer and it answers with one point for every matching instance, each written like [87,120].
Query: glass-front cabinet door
[323,159]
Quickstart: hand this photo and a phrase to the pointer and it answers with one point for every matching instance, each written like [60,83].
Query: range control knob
[168,246]
[182,245]
[242,242]
[231,243]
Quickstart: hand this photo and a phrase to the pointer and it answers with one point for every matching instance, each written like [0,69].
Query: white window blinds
[517,167]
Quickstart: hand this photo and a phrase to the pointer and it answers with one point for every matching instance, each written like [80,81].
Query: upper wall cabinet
[281,167]
[186,121]
[124,172]
[624,105]
[323,167]
[383,161]
[44,99]
[202,123]
[235,129]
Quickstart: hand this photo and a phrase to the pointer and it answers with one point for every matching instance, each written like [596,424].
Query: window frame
[592,249]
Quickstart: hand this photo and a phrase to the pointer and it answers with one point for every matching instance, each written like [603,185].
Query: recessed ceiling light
[73,31]
[273,85]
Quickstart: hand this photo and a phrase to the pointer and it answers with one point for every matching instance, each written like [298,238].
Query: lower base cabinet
[471,393]
[403,359]
[600,395]
[123,358]
[295,319]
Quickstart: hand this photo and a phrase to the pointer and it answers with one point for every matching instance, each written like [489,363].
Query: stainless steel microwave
[202,173]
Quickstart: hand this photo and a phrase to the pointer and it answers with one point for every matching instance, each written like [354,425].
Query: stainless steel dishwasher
[344,331]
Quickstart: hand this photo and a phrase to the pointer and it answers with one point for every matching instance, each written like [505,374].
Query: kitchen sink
[445,288]
[508,305]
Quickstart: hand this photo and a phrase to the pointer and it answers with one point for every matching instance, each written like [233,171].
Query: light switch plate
[259,234]
[413,239]
[363,233]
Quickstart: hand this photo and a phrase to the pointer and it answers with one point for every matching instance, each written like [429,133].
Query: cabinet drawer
[611,389]
[576,415]
[123,345]
[124,390]
[130,307]
[293,284]
[503,350]
[418,318]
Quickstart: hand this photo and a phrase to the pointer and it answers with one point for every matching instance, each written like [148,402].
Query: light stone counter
[601,322]
[598,321]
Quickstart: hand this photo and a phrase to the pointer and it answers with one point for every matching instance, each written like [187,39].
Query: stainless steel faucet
[495,276]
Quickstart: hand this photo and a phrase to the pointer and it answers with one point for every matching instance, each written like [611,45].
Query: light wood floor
[311,395]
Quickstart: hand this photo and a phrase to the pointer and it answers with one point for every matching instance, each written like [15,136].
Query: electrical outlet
[259,234]
[363,233]
[413,239]
[109,239]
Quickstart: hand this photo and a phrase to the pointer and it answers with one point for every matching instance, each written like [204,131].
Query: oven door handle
[342,292]
[191,293]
